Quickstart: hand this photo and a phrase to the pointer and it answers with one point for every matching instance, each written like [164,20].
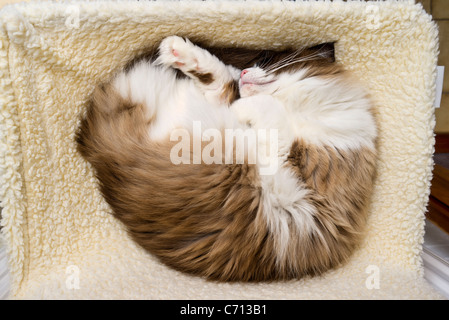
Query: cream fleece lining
[62,241]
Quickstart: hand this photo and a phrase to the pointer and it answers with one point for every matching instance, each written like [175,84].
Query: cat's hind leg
[215,79]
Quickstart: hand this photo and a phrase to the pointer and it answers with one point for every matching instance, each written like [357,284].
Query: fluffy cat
[229,220]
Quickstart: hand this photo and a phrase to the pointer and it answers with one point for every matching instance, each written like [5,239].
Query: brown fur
[230,92]
[208,220]
[341,183]
[205,78]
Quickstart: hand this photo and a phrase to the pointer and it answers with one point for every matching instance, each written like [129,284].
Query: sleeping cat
[228,220]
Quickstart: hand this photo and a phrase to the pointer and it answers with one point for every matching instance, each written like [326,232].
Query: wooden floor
[438,210]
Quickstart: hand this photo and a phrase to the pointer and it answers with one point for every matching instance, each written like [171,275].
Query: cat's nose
[243,73]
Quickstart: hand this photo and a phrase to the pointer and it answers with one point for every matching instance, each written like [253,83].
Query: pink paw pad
[176,54]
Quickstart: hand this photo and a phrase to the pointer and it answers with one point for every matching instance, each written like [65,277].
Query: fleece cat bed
[62,240]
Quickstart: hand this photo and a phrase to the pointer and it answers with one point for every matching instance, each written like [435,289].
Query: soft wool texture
[58,227]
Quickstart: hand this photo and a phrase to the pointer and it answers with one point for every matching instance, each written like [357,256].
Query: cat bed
[63,242]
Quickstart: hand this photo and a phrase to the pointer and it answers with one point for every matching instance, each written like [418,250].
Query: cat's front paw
[178,53]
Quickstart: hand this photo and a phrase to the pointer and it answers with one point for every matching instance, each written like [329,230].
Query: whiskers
[294,58]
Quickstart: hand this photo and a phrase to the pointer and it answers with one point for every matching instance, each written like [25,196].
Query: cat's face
[279,70]
[256,80]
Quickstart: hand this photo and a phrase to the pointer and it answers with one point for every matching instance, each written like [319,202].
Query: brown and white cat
[225,219]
